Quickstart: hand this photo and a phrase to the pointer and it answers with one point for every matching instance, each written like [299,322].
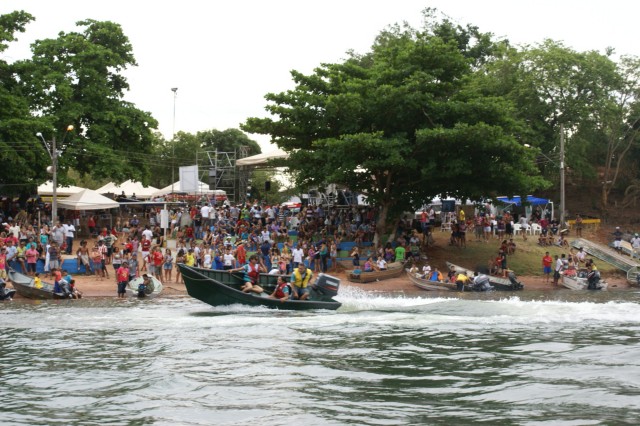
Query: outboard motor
[65,289]
[517,285]
[482,283]
[593,280]
[326,286]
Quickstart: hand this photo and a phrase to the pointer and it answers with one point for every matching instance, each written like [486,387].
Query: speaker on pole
[267,185]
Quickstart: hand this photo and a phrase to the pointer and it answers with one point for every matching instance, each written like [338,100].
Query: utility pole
[562,199]
[173,141]
[52,150]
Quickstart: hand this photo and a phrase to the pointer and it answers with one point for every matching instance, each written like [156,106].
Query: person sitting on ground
[300,279]
[282,291]
[251,275]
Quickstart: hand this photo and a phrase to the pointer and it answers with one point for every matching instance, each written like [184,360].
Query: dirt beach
[95,287]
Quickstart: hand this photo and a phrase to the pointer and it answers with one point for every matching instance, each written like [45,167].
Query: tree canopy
[404,122]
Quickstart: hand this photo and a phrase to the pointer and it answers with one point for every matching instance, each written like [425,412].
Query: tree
[20,150]
[77,79]
[403,123]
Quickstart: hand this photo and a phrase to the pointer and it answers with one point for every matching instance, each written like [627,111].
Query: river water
[558,358]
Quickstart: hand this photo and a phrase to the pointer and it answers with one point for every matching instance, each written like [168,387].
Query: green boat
[219,288]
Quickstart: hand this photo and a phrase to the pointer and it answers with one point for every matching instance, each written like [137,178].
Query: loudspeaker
[267,185]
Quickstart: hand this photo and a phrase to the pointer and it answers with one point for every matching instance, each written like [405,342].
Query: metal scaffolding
[223,174]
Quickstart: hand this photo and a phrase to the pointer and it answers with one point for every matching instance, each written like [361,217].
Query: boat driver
[251,274]
[300,279]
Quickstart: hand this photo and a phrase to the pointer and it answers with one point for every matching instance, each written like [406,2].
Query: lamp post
[561,166]
[53,153]
[173,137]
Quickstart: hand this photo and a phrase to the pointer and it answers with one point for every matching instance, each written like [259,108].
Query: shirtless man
[83,258]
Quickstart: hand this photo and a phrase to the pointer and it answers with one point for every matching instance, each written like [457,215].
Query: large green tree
[77,79]
[23,160]
[404,122]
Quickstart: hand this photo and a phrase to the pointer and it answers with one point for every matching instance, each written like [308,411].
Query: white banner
[189,179]
[164,218]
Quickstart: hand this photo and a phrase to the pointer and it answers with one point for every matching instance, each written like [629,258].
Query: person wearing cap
[617,235]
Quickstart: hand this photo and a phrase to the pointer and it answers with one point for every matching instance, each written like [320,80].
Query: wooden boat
[498,283]
[24,285]
[393,270]
[579,282]
[151,291]
[430,285]
[218,288]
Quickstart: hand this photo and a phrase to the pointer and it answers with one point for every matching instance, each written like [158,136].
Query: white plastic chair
[517,228]
[536,229]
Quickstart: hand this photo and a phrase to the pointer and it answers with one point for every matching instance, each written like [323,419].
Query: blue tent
[534,201]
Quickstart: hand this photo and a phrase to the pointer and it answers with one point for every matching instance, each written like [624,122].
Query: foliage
[403,123]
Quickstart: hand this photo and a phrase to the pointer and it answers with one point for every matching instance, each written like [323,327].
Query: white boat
[152,291]
[576,282]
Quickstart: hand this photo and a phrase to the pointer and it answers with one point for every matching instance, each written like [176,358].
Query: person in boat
[251,274]
[451,275]
[75,293]
[436,275]
[381,264]
[368,265]
[37,282]
[300,279]
[282,291]
[593,277]
[146,286]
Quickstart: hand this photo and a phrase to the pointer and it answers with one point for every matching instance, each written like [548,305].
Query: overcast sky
[225,56]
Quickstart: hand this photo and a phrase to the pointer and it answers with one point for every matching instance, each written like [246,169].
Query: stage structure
[224,175]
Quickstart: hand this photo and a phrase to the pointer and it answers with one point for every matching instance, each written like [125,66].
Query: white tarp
[63,191]
[129,188]
[259,159]
[202,188]
[87,199]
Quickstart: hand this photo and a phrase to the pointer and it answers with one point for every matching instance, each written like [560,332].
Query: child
[168,265]
[96,258]
[133,266]
[37,282]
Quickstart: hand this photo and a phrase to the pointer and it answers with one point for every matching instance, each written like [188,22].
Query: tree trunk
[381,225]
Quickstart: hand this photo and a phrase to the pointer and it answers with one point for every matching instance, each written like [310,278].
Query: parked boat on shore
[428,285]
[498,283]
[393,270]
[25,287]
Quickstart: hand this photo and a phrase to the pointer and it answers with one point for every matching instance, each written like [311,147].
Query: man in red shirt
[146,246]
[241,253]
[158,259]
[547,260]
[122,275]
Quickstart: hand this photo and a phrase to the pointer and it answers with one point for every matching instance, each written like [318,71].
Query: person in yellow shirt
[462,280]
[37,282]
[300,279]
[190,258]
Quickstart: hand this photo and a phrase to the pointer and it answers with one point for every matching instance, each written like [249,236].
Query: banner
[189,179]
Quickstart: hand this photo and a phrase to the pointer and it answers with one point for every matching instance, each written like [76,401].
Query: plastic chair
[536,229]
[517,228]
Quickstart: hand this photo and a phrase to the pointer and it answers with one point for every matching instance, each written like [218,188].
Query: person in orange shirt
[158,260]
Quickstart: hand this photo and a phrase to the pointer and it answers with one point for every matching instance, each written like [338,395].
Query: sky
[224,56]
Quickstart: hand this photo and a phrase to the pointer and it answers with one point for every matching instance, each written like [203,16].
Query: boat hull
[579,283]
[395,270]
[498,283]
[24,286]
[430,285]
[208,286]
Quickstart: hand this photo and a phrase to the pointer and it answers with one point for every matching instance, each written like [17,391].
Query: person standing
[558,270]
[69,232]
[57,234]
[547,260]
[578,226]
[123,278]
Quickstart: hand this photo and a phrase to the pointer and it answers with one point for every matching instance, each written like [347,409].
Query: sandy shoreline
[94,287]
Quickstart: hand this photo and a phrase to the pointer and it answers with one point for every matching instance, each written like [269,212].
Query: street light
[561,165]
[53,153]
[173,137]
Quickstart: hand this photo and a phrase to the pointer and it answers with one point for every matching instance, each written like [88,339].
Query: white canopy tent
[203,188]
[87,199]
[260,159]
[46,189]
[129,188]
